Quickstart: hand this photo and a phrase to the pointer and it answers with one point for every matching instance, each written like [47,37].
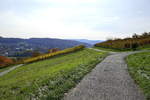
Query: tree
[135,35]
[134,46]
[145,34]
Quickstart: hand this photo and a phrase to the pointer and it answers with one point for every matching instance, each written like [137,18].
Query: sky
[74,19]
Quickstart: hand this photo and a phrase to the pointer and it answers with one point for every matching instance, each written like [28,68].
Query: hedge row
[45,56]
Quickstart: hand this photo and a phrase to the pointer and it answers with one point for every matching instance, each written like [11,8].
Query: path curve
[10,69]
[109,80]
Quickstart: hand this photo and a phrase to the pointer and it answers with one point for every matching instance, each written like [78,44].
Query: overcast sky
[88,19]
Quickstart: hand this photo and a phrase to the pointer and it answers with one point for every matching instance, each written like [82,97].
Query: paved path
[10,69]
[109,80]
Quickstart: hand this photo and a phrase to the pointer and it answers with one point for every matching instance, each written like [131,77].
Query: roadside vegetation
[139,68]
[50,78]
[131,43]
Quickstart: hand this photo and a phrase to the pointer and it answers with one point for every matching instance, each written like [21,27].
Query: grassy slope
[146,47]
[48,79]
[5,68]
[109,49]
[139,68]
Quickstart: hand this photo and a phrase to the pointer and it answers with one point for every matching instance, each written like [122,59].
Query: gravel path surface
[109,80]
[10,69]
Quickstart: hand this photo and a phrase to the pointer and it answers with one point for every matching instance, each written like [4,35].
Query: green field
[48,79]
[139,68]
[111,49]
[145,47]
[5,68]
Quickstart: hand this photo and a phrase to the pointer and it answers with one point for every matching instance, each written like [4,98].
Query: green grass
[146,47]
[5,68]
[139,68]
[48,79]
[111,49]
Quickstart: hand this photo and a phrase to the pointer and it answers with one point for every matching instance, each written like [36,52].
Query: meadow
[49,79]
[6,68]
[145,47]
[139,69]
[110,49]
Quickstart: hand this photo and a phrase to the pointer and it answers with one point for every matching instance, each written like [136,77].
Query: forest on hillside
[17,47]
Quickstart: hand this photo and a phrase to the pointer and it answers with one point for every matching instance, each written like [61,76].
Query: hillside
[92,42]
[129,43]
[48,79]
[12,46]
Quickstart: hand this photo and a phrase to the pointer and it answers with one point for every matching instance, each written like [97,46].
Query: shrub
[4,61]
[45,56]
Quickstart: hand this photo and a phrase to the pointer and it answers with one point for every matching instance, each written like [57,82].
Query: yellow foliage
[45,56]
[127,43]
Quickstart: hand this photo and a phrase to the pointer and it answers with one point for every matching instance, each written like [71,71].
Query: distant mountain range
[92,42]
[11,46]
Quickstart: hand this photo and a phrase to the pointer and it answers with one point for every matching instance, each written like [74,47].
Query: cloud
[91,19]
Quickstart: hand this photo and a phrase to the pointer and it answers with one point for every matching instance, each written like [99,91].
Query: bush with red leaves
[4,61]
